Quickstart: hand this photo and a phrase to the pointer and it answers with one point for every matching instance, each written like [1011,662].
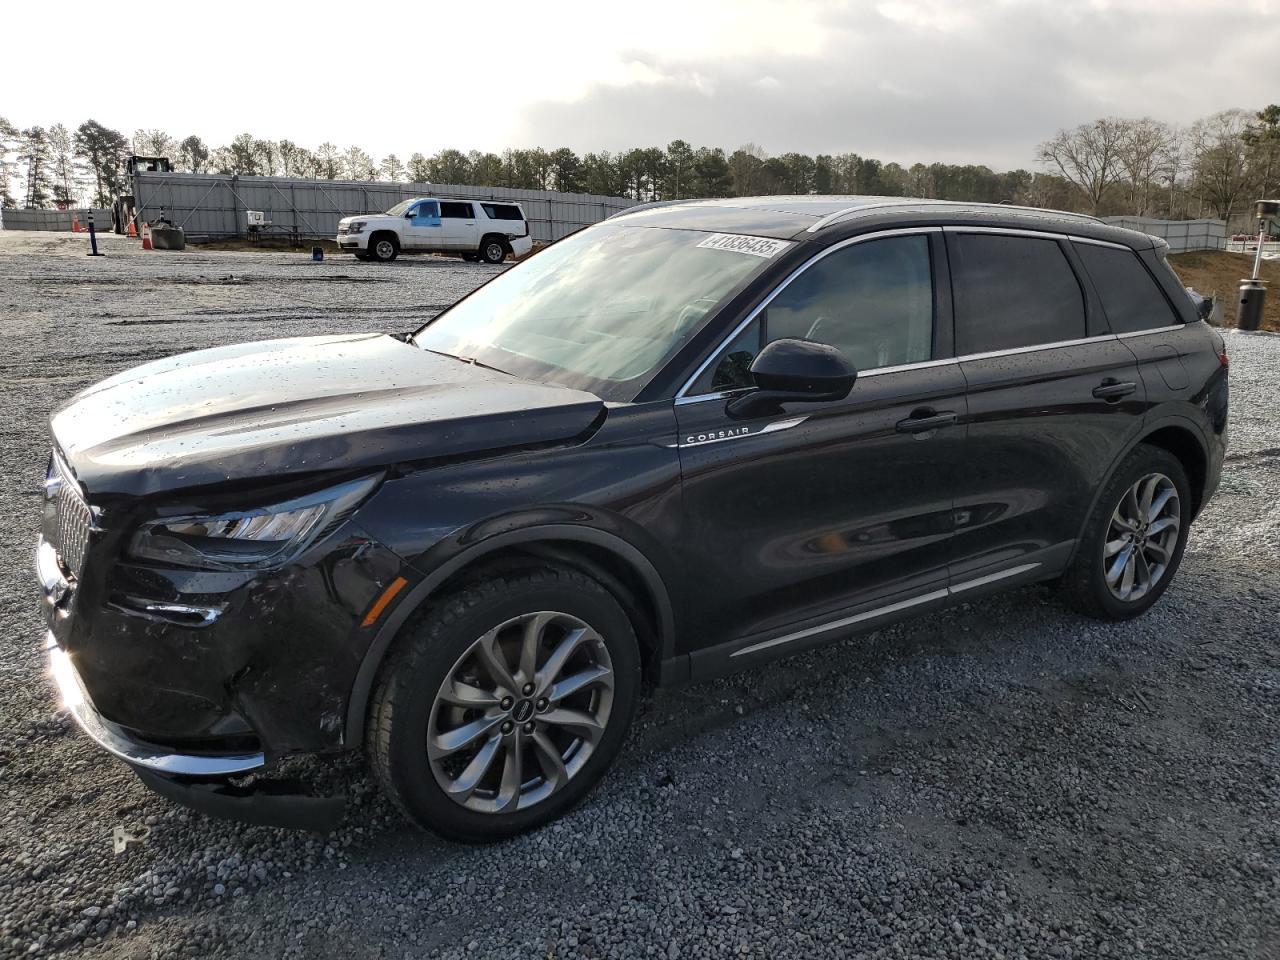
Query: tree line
[1213,167]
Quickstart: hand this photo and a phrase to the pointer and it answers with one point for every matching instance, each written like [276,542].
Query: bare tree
[330,159]
[1143,152]
[357,164]
[1220,170]
[1088,156]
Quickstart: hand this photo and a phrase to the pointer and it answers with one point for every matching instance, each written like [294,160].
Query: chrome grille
[72,520]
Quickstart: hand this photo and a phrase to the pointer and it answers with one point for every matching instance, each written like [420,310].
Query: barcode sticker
[737,243]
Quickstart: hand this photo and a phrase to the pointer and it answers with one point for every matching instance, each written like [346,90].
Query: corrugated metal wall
[1181,235]
[53,219]
[214,206]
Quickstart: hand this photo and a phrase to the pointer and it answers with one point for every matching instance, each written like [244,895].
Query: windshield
[600,310]
[401,208]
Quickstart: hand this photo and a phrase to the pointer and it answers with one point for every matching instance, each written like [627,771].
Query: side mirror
[794,370]
[409,215]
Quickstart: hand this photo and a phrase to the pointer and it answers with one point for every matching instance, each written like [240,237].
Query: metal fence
[212,205]
[1181,235]
[13,219]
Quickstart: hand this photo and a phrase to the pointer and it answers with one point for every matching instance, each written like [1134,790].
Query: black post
[93,237]
[1253,290]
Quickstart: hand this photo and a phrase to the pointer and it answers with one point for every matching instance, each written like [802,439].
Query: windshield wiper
[471,360]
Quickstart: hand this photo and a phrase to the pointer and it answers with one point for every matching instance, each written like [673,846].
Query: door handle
[923,421]
[1111,389]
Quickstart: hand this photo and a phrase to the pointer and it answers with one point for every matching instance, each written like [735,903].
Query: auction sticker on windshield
[737,243]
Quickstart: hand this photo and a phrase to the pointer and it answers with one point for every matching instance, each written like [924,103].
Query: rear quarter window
[501,211]
[1131,298]
[1012,291]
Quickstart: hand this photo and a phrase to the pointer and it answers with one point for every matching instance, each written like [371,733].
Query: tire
[471,257]
[361,256]
[384,247]
[492,250]
[1147,475]
[435,781]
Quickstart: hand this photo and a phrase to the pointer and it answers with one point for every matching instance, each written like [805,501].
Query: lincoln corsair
[690,439]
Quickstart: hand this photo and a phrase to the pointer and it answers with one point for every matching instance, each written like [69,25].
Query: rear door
[459,220]
[1142,316]
[1053,399]
[816,517]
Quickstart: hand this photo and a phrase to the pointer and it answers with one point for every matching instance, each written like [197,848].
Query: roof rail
[907,201]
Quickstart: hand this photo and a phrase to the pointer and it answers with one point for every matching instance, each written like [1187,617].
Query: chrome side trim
[903,367]
[1008,231]
[886,610]
[992,578]
[1146,333]
[736,433]
[112,739]
[1099,243]
[1037,346]
[842,622]
[755,311]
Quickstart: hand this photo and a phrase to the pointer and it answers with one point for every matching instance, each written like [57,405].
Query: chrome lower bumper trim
[115,741]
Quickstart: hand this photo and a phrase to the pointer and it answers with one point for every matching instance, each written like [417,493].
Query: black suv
[690,439]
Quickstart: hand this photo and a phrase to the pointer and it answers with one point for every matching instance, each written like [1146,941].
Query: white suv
[474,229]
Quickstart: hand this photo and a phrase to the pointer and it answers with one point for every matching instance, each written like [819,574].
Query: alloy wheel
[494,253]
[520,712]
[1142,537]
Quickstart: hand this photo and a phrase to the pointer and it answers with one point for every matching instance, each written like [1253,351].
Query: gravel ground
[1004,779]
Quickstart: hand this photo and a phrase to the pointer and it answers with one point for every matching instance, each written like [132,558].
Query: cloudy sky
[901,80]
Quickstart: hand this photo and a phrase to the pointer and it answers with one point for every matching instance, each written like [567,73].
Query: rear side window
[457,211]
[498,211]
[1012,292]
[1130,296]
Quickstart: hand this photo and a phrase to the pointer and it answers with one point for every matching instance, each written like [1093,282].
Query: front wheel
[384,248]
[1134,539]
[505,705]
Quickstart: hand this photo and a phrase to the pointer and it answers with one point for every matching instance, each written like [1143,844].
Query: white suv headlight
[356,227]
[249,539]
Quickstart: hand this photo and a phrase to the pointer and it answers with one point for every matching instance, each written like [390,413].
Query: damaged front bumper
[203,781]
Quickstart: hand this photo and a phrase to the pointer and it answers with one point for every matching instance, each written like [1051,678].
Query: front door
[824,513]
[422,229]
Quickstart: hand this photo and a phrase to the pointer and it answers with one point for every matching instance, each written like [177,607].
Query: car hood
[367,217]
[286,408]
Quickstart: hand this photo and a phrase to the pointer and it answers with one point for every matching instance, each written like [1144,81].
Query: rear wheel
[384,247]
[492,250]
[1134,539]
[505,705]
[361,256]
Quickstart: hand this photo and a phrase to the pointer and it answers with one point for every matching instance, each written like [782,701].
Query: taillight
[1223,358]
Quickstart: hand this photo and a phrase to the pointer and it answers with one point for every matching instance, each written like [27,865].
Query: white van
[485,230]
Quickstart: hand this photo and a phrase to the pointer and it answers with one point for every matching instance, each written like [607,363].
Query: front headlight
[249,539]
[356,227]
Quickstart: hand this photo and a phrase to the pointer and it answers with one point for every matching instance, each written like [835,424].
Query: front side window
[600,310]
[1012,291]
[427,208]
[1130,297]
[873,300]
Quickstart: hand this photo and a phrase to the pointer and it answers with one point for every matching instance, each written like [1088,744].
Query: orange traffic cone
[146,237]
[75,224]
[133,229]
